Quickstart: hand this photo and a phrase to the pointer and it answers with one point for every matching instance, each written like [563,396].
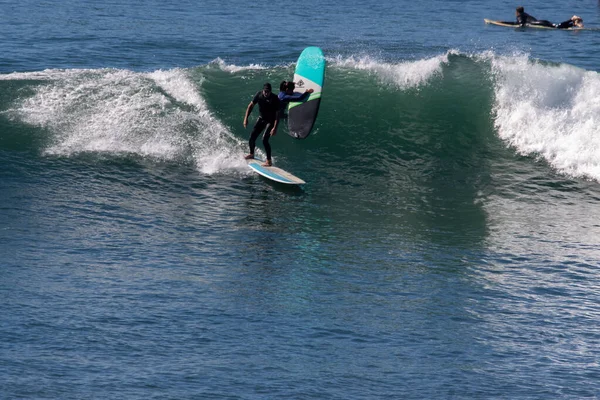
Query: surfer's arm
[274,130]
[297,96]
[306,94]
[277,116]
[248,111]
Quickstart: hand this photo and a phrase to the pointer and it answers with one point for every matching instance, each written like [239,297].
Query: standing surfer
[268,108]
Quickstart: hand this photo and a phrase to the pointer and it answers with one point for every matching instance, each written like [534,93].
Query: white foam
[45,75]
[221,64]
[160,114]
[550,111]
[404,75]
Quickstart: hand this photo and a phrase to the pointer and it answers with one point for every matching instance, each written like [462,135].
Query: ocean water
[446,244]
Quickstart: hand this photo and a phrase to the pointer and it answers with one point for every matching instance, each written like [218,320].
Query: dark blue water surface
[446,244]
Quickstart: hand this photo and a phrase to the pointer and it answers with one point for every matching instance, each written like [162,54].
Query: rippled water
[444,246]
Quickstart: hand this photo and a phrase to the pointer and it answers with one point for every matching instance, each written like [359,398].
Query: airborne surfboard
[310,74]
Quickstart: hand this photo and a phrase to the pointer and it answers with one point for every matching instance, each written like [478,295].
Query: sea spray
[404,74]
[549,111]
[160,114]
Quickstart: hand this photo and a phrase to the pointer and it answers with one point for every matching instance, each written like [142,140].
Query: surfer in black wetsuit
[268,108]
[525,19]
[574,22]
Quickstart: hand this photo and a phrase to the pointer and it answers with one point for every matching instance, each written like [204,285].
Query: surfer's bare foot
[267,163]
[249,157]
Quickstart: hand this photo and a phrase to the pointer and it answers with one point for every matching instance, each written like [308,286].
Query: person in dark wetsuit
[525,19]
[287,94]
[268,108]
[573,22]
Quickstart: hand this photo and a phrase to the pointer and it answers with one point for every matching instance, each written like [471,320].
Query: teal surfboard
[274,173]
[310,74]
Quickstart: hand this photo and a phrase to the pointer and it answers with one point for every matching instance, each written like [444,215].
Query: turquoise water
[445,244]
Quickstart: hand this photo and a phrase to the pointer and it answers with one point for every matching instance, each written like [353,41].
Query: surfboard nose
[309,74]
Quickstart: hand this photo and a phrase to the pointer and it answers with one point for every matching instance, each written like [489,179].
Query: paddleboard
[512,24]
[310,74]
[274,173]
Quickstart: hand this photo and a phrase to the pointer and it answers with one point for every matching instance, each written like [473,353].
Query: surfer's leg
[543,22]
[267,146]
[258,127]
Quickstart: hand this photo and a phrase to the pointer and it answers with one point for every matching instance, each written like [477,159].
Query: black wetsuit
[524,18]
[566,24]
[268,107]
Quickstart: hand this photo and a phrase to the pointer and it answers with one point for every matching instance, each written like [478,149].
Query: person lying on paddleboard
[525,19]
[287,94]
[574,22]
[268,108]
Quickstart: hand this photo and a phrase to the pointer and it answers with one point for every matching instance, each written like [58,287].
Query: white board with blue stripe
[274,173]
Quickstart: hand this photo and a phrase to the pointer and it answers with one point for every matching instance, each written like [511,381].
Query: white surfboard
[274,173]
[511,24]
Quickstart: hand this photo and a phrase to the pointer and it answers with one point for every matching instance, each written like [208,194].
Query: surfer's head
[283,86]
[577,21]
[267,89]
[291,86]
[520,10]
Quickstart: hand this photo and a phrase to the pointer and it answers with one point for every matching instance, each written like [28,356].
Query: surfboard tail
[302,118]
